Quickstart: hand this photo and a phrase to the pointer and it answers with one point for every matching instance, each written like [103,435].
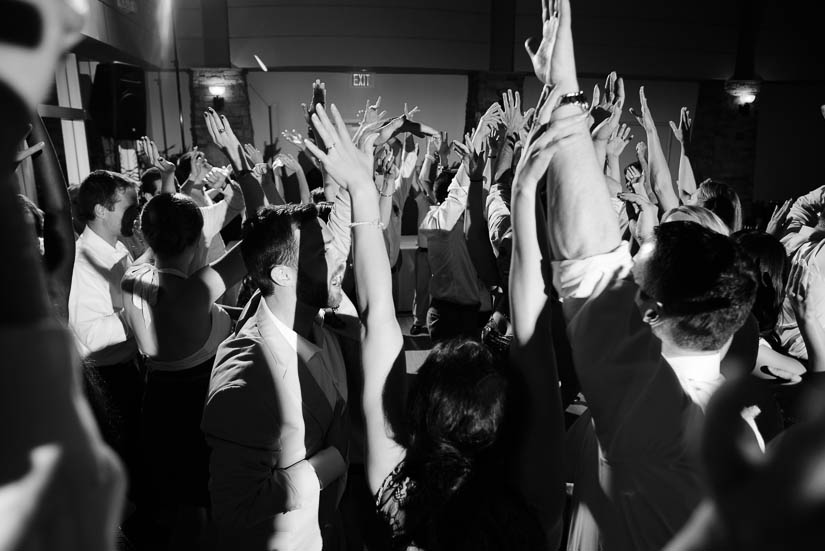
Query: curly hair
[455,410]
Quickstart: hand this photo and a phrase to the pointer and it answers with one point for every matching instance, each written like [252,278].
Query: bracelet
[388,195]
[367,223]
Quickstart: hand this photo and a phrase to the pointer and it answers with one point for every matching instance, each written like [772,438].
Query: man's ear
[100,211]
[282,276]
[652,313]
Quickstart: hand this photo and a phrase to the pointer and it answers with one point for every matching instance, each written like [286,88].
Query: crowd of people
[211,358]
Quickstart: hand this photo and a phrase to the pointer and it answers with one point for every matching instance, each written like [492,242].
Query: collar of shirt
[699,375]
[305,349]
[98,247]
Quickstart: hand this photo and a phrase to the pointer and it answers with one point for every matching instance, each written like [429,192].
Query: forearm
[814,336]
[270,188]
[498,216]
[536,389]
[613,168]
[303,187]
[687,179]
[253,194]
[223,273]
[167,182]
[600,147]
[660,179]
[581,218]
[338,224]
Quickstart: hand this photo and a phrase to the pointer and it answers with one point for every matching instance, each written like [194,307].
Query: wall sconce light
[743,93]
[217,92]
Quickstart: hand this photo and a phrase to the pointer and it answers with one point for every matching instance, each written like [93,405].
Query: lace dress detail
[390,500]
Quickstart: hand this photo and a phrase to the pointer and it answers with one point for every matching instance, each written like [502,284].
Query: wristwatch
[578,98]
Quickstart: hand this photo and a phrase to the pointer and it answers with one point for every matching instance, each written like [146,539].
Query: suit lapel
[317,410]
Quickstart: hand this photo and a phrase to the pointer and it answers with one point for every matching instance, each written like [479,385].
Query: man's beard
[322,295]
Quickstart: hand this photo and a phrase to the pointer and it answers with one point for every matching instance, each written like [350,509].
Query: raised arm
[805,210]
[616,144]
[607,110]
[582,221]
[687,179]
[537,458]
[382,340]
[166,168]
[660,179]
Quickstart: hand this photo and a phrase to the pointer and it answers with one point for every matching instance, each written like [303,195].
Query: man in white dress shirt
[107,202]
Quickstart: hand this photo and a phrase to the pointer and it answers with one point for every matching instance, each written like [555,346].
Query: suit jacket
[270,407]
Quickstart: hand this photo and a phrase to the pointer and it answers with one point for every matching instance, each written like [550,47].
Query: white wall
[442,99]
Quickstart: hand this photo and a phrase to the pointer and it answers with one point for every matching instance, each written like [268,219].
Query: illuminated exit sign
[363,80]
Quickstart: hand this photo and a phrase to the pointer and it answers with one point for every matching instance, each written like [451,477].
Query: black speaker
[118,102]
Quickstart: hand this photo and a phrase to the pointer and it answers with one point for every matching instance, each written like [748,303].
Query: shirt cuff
[305,483]
[579,278]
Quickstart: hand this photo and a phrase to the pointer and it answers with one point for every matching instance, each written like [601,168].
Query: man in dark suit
[275,416]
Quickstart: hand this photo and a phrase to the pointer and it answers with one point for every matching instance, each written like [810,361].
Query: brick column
[235,107]
[724,137]
[484,89]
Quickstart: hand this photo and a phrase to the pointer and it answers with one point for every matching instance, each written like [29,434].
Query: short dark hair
[170,223]
[705,282]
[772,267]
[149,181]
[269,240]
[442,183]
[722,200]
[100,188]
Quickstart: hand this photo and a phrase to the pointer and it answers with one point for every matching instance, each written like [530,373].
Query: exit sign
[363,80]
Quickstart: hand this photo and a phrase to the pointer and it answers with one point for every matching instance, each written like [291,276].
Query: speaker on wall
[118,102]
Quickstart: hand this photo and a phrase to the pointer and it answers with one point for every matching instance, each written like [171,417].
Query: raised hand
[645,118]
[512,117]
[199,168]
[542,57]
[289,162]
[349,165]
[778,222]
[471,157]
[607,107]
[443,147]
[618,140]
[370,113]
[537,156]
[222,135]
[648,216]
[408,113]
[153,157]
[683,131]
[488,122]
[319,97]
[294,137]
[254,154]
[216,178]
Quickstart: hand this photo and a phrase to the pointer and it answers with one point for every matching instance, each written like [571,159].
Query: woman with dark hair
[451,482]
[178,327]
